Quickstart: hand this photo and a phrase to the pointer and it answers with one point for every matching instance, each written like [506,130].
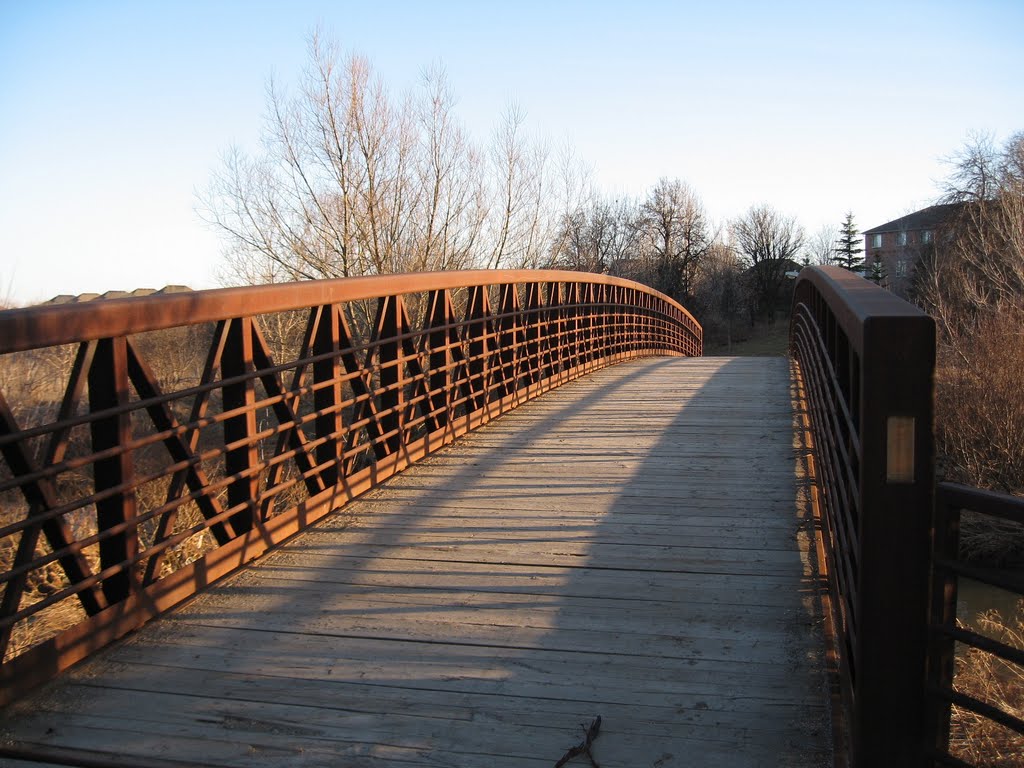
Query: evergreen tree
[848,248]
[876,272]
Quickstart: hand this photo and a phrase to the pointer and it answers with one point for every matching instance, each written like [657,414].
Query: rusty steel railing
[865,361]
[951,501]
[152,445]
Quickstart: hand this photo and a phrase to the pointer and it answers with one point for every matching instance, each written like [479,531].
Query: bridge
[216,550]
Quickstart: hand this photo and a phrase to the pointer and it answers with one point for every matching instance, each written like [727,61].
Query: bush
[979,418]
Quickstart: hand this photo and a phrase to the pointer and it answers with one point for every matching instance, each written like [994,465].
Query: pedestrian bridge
[727,561]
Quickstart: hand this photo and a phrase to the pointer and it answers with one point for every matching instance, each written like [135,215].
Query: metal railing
[949,568]
[153,445]
[865,361]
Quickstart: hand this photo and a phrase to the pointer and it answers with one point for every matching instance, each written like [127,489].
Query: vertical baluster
[241,428]
[327,395]
[391,371]
[477,332]
[439,360]
[108,389]
[552,331]
[570,324]
[508,341]
[533,330]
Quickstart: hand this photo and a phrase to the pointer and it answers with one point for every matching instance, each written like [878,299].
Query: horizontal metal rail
[865,362]
[153,445]
[951,501]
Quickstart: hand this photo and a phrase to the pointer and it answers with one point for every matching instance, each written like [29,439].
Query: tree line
[352,179]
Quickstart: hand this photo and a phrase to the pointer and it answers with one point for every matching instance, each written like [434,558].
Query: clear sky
[114,114]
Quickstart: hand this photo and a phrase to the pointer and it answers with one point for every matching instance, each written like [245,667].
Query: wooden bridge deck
[632,545]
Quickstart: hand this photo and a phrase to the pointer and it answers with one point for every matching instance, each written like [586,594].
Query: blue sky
[113,114]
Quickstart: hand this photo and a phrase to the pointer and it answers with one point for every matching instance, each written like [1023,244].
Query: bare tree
[769,242]
[520,227]
[573,184]
[975,170]
[976,264]
[674,236]
[454,207]
[820,247]
[600,237]
[352,180]
[972,282]
[721,295]
[7,292]
[573,247]
[987,235]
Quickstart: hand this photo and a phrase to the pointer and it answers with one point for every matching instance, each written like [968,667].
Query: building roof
[65,298]
[927,218]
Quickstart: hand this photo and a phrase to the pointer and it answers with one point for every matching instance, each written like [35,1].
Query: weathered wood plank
[632,545]
[420,664]
[665,586]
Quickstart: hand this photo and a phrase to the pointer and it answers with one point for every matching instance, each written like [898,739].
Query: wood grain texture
[633,545]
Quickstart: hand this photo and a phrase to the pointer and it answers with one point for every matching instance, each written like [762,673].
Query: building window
[876,241]
[926,236]
[901,268]
[901,238]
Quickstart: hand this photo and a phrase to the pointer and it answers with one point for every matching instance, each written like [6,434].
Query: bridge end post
[896,495]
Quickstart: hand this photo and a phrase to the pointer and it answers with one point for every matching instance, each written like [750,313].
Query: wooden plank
[632,545]
[437,531]
[507,624]
[366,598]
[689,588]
[421,664]
[625,557]
[264,725]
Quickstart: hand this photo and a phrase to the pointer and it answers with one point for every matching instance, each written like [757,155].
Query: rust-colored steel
[195,431]
[866,361]
[46,326]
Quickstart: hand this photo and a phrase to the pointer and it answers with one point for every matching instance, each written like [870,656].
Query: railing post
[942,646]
[480,338]
[108,389]
[570,326]
[391,371]
[587,325]
[553,329]
[440,339]
[533,333]
[896,490]
[509,330]
[239,430]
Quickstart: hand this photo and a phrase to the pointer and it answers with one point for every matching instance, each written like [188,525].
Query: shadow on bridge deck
[632,545]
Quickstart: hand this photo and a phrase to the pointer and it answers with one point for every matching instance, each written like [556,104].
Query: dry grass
[991,540]
[1000,683]
[763,340]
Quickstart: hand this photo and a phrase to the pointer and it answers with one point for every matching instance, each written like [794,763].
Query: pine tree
[848,246]
[876,272]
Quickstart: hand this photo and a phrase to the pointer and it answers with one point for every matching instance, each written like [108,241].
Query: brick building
[899,243]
